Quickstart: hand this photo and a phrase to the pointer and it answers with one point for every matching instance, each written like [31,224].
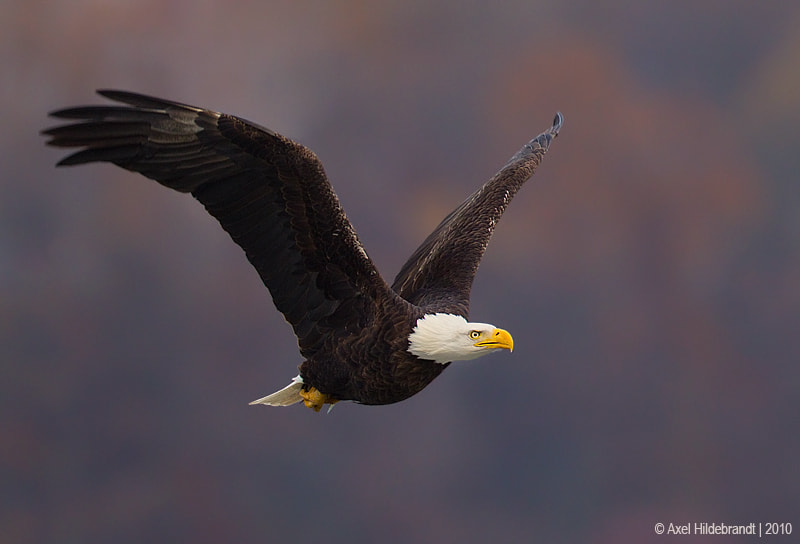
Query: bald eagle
[362,339]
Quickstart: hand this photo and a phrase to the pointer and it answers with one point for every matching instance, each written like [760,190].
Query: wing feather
[438,276]
[269,193]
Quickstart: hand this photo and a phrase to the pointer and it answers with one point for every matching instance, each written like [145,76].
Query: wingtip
[144,101]
[126,97]
[116,95]
[558,122]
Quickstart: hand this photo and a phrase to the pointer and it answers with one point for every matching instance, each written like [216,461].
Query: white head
[447,337]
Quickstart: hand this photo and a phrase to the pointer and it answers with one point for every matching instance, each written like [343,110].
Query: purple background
[649,274]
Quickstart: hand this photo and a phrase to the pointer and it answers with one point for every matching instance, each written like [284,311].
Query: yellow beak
[498,338]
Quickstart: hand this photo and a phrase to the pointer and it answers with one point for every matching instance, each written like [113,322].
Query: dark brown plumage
[273,198]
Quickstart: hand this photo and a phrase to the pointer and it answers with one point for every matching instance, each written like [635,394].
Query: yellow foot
[313,398]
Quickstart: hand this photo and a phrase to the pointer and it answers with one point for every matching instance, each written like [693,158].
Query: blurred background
[648,272]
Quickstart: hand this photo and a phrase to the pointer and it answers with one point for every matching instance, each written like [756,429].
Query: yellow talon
[313,398]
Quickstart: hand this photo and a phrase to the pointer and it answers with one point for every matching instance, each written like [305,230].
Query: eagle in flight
[361,339]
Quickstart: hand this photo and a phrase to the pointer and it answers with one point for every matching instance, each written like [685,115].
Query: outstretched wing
[439,274]
[268,192]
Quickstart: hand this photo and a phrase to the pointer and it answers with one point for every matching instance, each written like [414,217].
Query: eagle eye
[474,335]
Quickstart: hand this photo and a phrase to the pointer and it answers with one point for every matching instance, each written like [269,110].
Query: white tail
[285,397]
